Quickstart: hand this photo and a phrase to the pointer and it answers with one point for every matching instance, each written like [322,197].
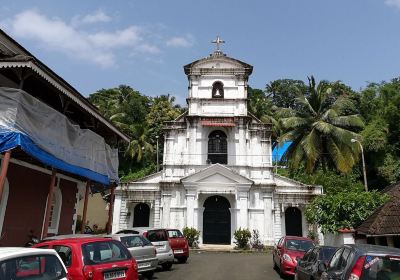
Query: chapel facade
[217,175]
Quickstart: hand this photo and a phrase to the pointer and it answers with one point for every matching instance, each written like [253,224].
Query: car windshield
[103,252]
[381,267]
[157,235]
[39,267]
[298,245]
[174,233]
[135,241]
[326,253]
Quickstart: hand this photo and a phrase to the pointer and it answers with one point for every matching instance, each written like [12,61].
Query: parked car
[142,250]
[159,238]
[307,267]
[29,263]
[286,251]
[94,258]
[362,262]
[179,245]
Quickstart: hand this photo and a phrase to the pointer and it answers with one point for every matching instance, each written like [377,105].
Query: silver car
[159,238]
[142,250]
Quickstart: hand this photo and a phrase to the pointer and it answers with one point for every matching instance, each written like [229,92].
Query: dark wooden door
[141,215]
[293,222]
[216,221]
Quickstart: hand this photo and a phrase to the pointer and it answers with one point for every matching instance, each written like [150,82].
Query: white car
[31,263]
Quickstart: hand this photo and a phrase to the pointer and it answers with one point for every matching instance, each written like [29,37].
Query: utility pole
[158,168]
[363,163]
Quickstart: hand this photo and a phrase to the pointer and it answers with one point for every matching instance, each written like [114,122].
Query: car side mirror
[279,246]
[322,267]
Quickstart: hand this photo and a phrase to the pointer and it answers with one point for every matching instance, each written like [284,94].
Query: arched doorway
[141,215]
[217,147]
[216,221]
[293,222]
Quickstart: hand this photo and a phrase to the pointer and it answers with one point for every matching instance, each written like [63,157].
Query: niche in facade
[218,90]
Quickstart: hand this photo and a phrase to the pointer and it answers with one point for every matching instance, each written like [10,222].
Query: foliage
[242,238]
[139,173]
[341,210]
[192,235]
[312,234]
[331,180]
[320,130]
[255,241]
[284,92]
[142,119]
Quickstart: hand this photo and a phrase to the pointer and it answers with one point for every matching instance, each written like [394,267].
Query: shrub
[255,242]
[192,235]
[242,238]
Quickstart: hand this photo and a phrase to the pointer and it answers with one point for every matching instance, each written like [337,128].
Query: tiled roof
[386,219]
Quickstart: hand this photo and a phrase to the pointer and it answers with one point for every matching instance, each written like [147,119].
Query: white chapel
[217,173]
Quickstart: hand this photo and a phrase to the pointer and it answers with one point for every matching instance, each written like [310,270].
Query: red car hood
[293,254]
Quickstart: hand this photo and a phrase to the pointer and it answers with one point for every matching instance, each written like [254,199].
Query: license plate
[145,264]
[160,248]
[178,251]
[114,275]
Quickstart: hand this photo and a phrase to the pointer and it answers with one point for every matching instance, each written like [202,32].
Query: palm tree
[139,147]
[321,129]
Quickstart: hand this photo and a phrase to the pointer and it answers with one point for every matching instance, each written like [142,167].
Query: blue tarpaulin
[13,139]
[279,151]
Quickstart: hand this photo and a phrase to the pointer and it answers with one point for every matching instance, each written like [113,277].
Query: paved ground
[222,266]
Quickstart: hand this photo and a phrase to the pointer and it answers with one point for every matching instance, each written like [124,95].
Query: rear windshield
[38,267]
[104,252]
[157,235]
[298,245]
[381,268]
[174,233]
[326,253]
[135,241]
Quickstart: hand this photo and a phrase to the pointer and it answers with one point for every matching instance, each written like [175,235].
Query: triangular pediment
[217,174]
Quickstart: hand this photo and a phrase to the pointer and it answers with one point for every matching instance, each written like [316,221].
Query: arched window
[218,90]
[55,211]
[3,204]
[217,147]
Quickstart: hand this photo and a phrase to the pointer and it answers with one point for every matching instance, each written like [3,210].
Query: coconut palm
[321,129]
[139,147]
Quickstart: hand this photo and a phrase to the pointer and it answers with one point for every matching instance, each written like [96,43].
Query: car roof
[375,249]
[123,235]
[14,252]
[75,240]
[297,238]
[65,236]
[142,229]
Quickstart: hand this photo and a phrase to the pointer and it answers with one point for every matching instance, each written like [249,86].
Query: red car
[179,245]
[94,258]
[286,251]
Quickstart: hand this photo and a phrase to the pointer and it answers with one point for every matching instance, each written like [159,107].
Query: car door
[309,269]
[301,264]
[339,262]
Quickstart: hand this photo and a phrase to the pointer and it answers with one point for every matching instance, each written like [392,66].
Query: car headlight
[287,258]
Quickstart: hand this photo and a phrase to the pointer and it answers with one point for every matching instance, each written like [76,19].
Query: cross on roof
[217,42]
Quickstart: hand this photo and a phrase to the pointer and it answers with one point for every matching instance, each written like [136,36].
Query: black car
[307,267]
[362,262]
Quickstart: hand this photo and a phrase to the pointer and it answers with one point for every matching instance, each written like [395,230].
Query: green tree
[343,210]
[320,130]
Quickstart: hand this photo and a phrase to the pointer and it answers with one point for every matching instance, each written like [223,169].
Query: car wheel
[182,260]
[281,274]
[149,274]
[273,261]
[167,266]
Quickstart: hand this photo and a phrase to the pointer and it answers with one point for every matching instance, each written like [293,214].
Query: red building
[55,148]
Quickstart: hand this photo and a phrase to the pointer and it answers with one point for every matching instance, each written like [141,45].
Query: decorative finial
[217,42]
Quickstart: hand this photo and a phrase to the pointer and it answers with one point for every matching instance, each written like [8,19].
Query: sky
[145,44]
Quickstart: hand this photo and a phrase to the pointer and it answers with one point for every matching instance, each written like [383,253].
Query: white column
[243,210]
[190,209]
[268,221]
[166,210]
[116,213]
